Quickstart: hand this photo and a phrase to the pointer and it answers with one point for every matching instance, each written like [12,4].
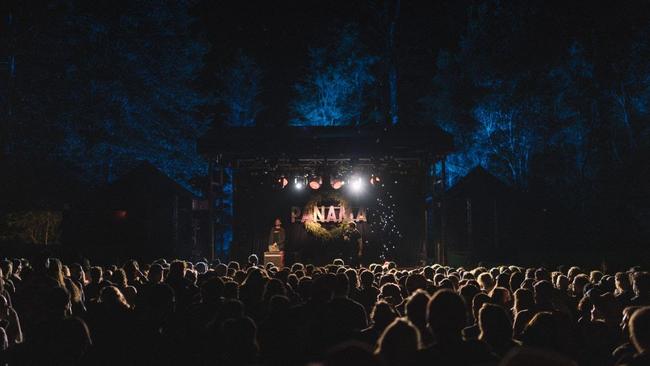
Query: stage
[389,182]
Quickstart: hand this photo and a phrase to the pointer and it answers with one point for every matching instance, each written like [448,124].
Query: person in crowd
[399,343]
[640,336]
[524,300]
[416,313]
[641,287]
[10,323]
[95,284]
[496,329]
[381,316]
[446,316]
[472,331]
[623,292]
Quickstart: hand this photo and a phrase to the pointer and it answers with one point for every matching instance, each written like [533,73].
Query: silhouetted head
[641,283]
[342,285]
[494,323]
[398,342]
[273,287]
[416,308]
[112,297]
[446,315]
[640,329]
[176,270]
[212,290]
[391,293]
[415,281]
[155,274]
[96,274]
[547,330]
[486,281]
[543,293]
[477,302]
[524,300]
[382,314]
[578,284]
[516,278]
[501,296]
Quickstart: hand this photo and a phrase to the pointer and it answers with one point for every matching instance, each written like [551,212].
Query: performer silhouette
[277,237]
[353,244]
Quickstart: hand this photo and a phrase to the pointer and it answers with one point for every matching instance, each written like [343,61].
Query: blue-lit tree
[131,96]
[239,91]
[335,89]
[573,94]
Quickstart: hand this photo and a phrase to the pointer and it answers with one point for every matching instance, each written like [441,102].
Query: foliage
[240,91]
[34,227]
[335,89]
[512,103]
[106,86]
[315,228]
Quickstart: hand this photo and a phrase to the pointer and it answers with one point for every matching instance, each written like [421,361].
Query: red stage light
[337,183]
[120,214]
[315,182]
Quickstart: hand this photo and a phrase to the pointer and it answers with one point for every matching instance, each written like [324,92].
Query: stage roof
[320,142]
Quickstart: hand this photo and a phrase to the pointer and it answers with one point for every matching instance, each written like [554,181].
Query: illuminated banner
[328,214]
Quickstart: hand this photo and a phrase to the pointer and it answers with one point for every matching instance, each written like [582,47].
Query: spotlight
[336,181]
[282,182]
[356,184]
[299,183]
[374,180]
[315,182]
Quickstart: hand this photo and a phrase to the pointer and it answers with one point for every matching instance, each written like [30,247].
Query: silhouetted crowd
[182,313]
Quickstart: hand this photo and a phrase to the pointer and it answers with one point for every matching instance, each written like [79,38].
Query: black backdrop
[399,200]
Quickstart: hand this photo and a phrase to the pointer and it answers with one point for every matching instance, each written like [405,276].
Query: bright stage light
[374,180]
[356,184]
[299,183]
[315,182]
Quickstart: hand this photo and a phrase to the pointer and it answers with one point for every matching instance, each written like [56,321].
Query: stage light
[374,180]
[356,184]
[299,183]
[282,182]
[315,182]
[336,181]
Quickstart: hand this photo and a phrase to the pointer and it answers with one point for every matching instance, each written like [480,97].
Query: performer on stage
[277,237]
[353,244]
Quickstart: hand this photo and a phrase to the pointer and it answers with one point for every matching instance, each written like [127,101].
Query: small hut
[144,214]
[487,219]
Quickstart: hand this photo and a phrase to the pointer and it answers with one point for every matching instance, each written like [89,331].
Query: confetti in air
[384,226]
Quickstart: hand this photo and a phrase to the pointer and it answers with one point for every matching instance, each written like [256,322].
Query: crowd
[180,313]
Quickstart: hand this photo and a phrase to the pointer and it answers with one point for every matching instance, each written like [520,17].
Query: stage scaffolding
[268,150]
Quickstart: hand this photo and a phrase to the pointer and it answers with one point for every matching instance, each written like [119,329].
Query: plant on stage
[315,228]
